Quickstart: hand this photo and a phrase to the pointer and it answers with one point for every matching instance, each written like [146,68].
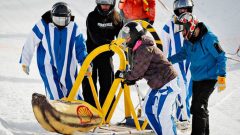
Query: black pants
[200,118]
[102,70]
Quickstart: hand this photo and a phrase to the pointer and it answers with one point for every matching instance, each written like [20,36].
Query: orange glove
[221,83]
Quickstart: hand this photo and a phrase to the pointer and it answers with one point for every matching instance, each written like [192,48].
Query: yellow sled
[68,116]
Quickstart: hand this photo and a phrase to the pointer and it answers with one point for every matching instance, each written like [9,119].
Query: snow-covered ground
[18,17]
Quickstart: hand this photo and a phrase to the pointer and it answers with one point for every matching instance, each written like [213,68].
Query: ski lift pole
[236,53]
[165,7]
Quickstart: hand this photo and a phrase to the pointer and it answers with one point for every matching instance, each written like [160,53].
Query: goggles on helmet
[188,21]
[61,21]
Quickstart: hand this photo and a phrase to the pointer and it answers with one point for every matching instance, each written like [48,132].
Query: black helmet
[61,14]
[178,4]
[133,30]
[105,2]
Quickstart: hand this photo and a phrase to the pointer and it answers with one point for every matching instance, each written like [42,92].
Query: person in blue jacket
[208,66]
[60,47]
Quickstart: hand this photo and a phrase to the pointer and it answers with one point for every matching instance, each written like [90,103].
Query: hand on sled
[129,82]
[119,74]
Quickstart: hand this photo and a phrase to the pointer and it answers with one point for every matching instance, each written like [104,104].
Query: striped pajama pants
[158,109]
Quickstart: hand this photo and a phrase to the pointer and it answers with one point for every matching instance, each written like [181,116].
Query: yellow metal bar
[114,105]
[114,46]
[144,125]
[129,101]
[110,96]
[158,41]
[151,30]
[94,92]
[83,70]
[126,105]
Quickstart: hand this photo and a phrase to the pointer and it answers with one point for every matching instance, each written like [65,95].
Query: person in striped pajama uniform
[172,43]
[60,47]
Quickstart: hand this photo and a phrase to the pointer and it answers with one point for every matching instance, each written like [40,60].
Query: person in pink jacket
[137,9]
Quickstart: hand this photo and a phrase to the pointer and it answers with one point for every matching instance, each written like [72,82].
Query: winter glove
[119,74]
[221,83]
[89,71]
[25,69]
[129,82]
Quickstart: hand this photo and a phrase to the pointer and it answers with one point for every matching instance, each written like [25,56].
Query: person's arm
[141,63]
[33,40]
[181,55]
[80,47]
[215,49]
[165,38]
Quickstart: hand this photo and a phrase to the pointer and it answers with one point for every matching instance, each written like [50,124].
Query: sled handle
[114,46]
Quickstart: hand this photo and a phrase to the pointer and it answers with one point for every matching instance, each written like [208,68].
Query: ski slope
[18,17]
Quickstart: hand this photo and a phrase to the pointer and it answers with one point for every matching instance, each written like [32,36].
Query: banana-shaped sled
[64,116]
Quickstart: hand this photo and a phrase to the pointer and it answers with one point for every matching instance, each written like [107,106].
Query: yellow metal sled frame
[114,46]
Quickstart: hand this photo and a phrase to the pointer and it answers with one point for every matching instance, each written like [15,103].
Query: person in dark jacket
[150,63]
[103,25]
[208,66]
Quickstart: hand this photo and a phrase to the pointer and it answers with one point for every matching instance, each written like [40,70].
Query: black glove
[119,74]
[129,82]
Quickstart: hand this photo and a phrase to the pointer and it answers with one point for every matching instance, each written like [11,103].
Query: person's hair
[116,17]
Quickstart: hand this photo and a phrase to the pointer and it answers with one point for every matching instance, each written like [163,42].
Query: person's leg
[165,111]
[158,109]
[106,77]
[86,89]
[51,82]
[150,110]
[200,118]
[188,98]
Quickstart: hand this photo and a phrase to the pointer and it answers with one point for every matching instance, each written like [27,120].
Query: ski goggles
[61,21]
[125,32]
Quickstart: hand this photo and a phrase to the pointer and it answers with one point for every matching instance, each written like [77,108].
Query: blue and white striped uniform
[58,55]
[158,106]
[172,43]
